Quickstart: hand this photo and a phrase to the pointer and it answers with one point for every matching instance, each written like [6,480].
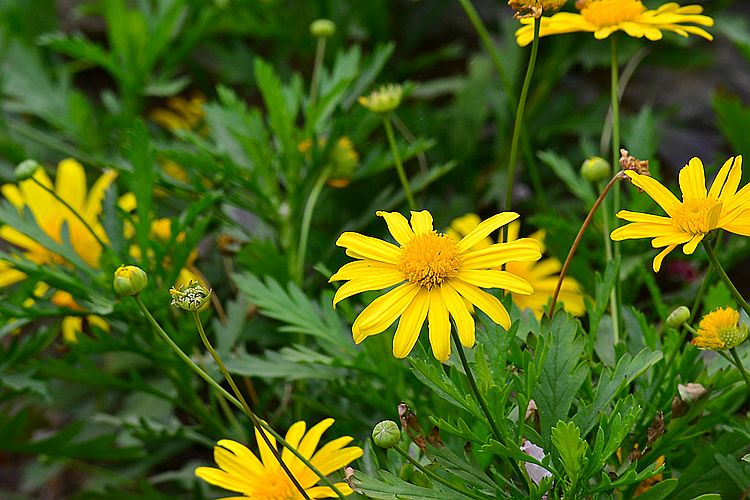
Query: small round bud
[386,434]
[322,28]
[26,170]
[678,317]
[129,280]
[384,99]
[190,297]
[595,169]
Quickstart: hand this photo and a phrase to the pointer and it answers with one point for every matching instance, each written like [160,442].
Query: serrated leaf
[393,488]
[433,376]
[566,437]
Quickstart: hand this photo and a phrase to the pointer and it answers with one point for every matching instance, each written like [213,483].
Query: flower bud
[129,280]
[26,170]
[386,434]
[678,317]
[595,169]
[322,28]
[190,297]
[385,99]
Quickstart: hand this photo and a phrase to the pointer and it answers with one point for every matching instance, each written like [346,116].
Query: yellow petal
[659,258]
[410,324]
[233,465]
[640,217]
[293,436]
[492,278]
[70,184]
[398,226]
[380,281]
[369,248]
[221,479]
[484,229]
[655,190]
[312,438]
[326,492]
[243,454]
[71,326]
[690,246]
[361,269]
[439,326]
[266,455]
[523,250]
[93,205]
[490,304]
[421,222]
[637,230]
[383,311]
[727,180]
[461,315]
[693,180]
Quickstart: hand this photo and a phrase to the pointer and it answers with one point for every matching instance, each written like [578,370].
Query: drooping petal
[361,269]
[398,226]
[484,229]
[660,257]
[460,313]
[219,478]
[383,280]
[383,311]
[691,245]
[661,195]
[439,326]
[410,324]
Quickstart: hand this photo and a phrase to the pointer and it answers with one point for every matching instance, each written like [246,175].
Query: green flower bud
[386,434]
[678,317]
[322,28]
[190,297]
[26,170]
[129,280]
[385,99]
[595,169]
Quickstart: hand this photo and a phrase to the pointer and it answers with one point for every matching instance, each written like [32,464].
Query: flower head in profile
[384,99]
[604,17]
[262,478]
[720,329]
[542,275]
[700,211]
[434,277]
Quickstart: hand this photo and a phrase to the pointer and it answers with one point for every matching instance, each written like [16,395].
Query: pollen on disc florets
[697,216]
[720,329]
[429,259]
[610,12]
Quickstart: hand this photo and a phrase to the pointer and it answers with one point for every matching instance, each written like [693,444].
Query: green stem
[73,211]
[427,472]
[738,363]
[397,162]
[615,296]
[245,406]
[307,214]
[723,275]
[487,43]
[474,388]
[519,117]
[317,65]
[223,392]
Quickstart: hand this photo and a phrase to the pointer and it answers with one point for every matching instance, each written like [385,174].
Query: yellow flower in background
[720,329]
[180,113]
[434,277]
[700,211]
[264,479]
[343,159]
[542,275]
[604,17]
[51,214]
[383,100]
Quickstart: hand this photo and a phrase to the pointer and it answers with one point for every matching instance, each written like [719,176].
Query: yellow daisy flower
[264,479]
[542,275]
[720,329]
[604,17]
[180,113]
[433,276]
[700,211]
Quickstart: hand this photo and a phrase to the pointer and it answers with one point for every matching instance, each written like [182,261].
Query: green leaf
[660,490]
[566,437]
[432,374]
[471,474]
[560,371]
[612,382]
[734,121]
[580,187]
[290,363]
[393,488]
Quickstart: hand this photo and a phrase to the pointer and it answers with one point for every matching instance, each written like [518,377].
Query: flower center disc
[429,259]
[697,216]
[275,487]
[612,12]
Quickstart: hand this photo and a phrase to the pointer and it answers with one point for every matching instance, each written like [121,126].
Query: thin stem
[245,406]
[398,163]
[223,392]
[474,388]
[427,472]
[577,241]
[401,126]
[519,118]
[73,211]
[615,296]
[738,363]
[723,275]
[614,311]
[307,214]
[487,43]
[317,65]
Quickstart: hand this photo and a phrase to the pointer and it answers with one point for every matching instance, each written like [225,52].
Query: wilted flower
[190,297]
[535,8]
